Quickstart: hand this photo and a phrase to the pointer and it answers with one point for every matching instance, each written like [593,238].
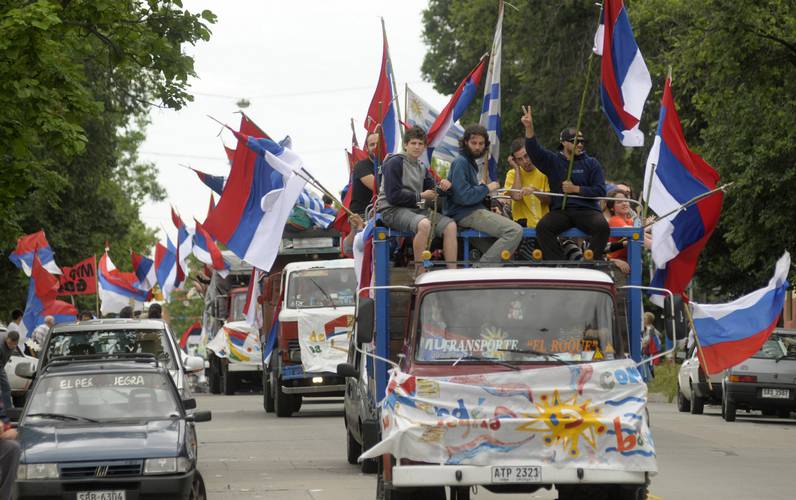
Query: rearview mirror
[189,404]
[676,323]
[200,416]
[347,370]
[25,369]
[365,313]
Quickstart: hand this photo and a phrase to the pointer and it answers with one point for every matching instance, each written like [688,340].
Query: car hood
[48,441]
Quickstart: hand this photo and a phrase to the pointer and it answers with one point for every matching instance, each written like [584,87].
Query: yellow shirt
[530,208]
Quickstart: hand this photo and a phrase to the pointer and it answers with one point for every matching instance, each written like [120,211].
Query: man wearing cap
[587,181]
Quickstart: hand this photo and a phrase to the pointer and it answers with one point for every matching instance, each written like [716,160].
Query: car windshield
[238,304]
[772,349]
[516,324]
[321,288]
[103,396]
[111,342]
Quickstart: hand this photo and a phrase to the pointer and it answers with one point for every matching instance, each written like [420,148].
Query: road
[244,453]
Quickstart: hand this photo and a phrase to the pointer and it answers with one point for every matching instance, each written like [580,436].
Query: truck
[515,378]
[223,320]
[311,306]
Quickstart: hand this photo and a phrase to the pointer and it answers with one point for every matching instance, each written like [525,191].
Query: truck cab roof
[513,274]
[315,264]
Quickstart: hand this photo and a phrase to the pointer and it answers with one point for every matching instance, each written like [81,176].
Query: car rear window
[772,349]
[79,343]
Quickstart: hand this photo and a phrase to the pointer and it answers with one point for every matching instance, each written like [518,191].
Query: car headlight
[37,471]
[167,465]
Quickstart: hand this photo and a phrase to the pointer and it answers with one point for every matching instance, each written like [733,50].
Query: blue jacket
[466,194]
[586,173]
[402,181]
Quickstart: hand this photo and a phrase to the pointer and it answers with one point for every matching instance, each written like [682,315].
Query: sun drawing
[496,334]
[565,422]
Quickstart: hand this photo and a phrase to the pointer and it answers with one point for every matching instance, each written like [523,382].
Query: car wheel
[683,405]
[283,403]
[213,376]
[697,403]
[228,381]
[268,396]
[198,491]
[353,449]
[728,410]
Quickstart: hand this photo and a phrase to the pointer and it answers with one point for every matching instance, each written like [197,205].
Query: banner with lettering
[323,336]
[590,415]
[80,279]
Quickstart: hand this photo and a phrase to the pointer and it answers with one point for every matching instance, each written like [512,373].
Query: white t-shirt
[13,327]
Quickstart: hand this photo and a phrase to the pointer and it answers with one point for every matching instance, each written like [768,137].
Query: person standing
[9,455]
[465,204]
[587,181]
[8,345]
[41,331]
[363,181]
[16,321]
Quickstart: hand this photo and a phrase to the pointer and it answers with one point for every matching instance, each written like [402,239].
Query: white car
[19,385]
[693,390]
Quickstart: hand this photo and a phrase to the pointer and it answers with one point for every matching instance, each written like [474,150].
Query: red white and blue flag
[456,107]
[214,182]
[730,333]
[191,334]
[625,81]
[116,288]
[27,246]
[41,302]
[184,245]
[166,268]
[383,113]
[206,250]
[252,306]
[678,176]
[144,270]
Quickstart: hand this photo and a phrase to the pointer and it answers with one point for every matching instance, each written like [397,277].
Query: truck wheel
[297,400]
[214,377]
[353,449]
[268,396]
[728,410]
[283,403]
[228,381]
[460,493]
[697,403]
[683,405]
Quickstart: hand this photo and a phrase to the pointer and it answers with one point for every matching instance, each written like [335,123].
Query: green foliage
[665,381]
[733,64]
[77,79]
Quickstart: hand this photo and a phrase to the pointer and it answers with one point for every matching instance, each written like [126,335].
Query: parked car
[766,381]
[108,428]
[693,389]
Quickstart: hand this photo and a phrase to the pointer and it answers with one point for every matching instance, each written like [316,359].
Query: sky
[306,66]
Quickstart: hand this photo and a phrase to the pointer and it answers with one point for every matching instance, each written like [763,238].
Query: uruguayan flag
[490,111]
[312,205]
[420,113]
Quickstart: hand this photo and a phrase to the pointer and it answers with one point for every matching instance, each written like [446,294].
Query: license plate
[776,393]
[517,474]
[101,495]
[312,242]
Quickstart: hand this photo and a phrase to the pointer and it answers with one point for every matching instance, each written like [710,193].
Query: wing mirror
[200,416]
[189,404]
[193,364]
[365,314]
[25,369]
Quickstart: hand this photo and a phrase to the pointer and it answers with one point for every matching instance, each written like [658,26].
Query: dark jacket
[586,173]
[466,193]
[402,181]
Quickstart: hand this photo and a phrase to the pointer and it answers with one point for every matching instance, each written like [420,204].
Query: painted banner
[585,415]
[238,342]
[323,337]
[80,279]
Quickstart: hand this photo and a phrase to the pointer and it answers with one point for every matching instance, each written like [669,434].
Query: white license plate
[312,242]
[776,393]
[516,474]
[101,495]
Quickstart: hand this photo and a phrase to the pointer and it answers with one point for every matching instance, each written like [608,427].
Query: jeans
[556,222]
[5,389]
[507,232]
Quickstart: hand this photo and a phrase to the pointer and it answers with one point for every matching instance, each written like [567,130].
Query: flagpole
[703,362]
[392,81]
[354,132]
[580,114]
[690,202]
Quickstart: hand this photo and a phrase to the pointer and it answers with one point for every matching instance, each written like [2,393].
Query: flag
[166,268]
[41,302]
[116,288]
[211,207]
[625,80]
[490,110]
[252,305]
[184,245]
[420,113]
[230,155]
[206,250]
[456,107]
[363,256]
[79,279]
[214,182]
[195,330]
[27,245]
[270,339]
[730,333]
[383,112]
[311,204]
[678,176]
[144,270]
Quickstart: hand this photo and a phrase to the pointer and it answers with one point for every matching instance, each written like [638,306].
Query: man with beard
[465,204]
[587,180]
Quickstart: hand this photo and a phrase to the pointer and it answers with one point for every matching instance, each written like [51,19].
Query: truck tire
[353,449]
[683,405]
[229,382]
[697,403]
[214,377]
[283,403]
[268,396]
[297,400]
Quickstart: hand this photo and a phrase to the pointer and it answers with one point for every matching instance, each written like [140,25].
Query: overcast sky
[306,66]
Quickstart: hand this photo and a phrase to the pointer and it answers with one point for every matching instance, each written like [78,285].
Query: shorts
[406,219]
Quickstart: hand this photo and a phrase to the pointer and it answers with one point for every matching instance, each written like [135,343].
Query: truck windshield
[238,303]
[321,288]
[516,324]
[110,342]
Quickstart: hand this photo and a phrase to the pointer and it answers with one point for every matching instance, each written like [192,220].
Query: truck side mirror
[680,325]
[365,313]
[347,370]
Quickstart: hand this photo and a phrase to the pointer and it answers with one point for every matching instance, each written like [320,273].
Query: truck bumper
[469,475]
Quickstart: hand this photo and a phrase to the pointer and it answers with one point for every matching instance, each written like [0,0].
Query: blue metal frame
[381,264]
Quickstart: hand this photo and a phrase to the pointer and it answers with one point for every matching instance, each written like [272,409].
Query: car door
[689,371]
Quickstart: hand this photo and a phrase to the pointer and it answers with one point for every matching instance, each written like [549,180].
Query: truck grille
[110,469]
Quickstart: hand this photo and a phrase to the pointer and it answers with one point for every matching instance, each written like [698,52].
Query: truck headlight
[37,471]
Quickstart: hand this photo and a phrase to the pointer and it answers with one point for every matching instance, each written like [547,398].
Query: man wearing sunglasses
[587,181]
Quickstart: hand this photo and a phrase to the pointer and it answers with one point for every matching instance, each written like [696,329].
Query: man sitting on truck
[405,185]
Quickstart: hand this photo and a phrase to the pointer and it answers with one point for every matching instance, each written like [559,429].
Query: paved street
[245,453]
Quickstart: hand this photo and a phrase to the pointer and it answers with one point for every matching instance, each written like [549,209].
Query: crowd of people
[539,191]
